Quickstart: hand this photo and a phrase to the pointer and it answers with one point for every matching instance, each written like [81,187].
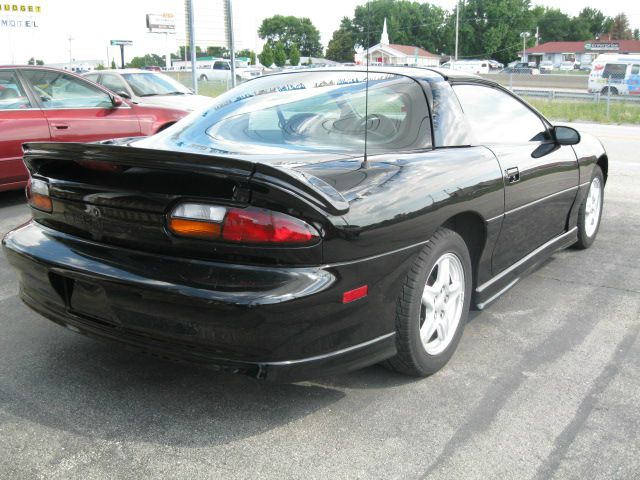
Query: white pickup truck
[221,70]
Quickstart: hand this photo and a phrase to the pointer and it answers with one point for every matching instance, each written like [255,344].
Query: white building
[385,53]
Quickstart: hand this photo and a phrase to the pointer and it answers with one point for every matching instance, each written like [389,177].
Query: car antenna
[366,90]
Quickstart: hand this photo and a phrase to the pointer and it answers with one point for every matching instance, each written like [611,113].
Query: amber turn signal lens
[38,195]
[41,202]
[194,228]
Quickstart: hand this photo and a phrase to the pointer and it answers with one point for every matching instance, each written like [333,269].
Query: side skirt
[489,291]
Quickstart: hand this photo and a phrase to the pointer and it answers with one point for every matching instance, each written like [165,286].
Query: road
[545,384]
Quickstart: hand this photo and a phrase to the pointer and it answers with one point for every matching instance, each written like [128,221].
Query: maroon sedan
[38,103]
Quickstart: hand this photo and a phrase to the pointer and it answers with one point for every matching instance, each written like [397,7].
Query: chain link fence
[608,92]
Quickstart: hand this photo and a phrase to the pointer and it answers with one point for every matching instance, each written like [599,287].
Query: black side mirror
[566,135]
[123,94]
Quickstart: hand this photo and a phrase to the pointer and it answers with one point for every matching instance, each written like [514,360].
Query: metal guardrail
[594,97]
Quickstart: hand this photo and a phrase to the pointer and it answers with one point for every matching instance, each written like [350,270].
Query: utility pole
[70,56]
[524,36]
[232,53]
[457,27]
[192,42]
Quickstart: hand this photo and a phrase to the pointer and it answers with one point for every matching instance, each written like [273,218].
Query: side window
[113,83]
[60,90]
[93,77]
[635,70]
[12,96]
[495,116]
[221,66]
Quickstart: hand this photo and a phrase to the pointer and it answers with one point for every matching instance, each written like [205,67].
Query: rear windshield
[319,111]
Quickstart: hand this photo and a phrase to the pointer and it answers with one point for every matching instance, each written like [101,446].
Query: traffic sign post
[122,44]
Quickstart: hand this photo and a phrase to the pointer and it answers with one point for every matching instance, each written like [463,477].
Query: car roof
[123,70]
[426,73]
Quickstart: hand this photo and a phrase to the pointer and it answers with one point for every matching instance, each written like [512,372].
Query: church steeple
[384,38]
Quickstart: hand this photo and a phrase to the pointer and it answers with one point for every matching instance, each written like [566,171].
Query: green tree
[408,23]
[148,59]
[291,30]
[250,54]
[636,34]
[33,61]
[100,66]
[294,56]
[555,26]
[113,65]
[597,22]
[341,45]
[620,28]
[279,55]
[266,57]
[491,29]
[216,52]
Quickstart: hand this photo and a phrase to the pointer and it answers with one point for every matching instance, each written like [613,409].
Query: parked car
[221,70]
[151,88]
[520,71]
[286,233]
[44,104]
[546,66]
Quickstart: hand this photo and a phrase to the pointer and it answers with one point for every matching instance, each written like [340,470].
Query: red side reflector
[355,294]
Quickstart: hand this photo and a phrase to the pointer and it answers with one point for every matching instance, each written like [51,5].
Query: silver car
[144,86]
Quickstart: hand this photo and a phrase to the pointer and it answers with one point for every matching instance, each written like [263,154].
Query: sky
[92,24]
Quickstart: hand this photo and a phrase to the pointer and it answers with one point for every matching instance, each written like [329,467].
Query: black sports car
[308,222]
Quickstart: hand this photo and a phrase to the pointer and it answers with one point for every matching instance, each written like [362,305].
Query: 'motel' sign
[17,15]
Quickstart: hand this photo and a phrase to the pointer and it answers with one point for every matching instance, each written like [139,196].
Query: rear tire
[203,78]
[590,212]
[433,306]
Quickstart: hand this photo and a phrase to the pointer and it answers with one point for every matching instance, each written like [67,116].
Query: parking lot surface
[545,384]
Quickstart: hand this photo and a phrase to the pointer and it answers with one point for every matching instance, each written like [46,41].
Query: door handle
[513,174]
[60,126]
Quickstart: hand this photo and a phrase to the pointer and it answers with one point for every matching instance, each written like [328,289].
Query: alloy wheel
[442,304]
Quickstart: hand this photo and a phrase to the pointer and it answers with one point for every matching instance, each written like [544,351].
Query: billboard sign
[161,23]
[121,42]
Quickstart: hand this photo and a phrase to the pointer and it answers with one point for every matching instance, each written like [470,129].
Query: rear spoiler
[312,189]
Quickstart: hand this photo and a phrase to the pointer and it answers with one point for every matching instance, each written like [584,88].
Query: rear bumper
[276,323]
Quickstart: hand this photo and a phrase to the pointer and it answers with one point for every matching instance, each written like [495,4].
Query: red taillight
[38,195]
[242,225]
[252,225]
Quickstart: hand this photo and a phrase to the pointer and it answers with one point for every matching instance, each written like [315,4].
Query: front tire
[590,212]
[433,306]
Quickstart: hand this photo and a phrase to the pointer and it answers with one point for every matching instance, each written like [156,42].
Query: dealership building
[578,52]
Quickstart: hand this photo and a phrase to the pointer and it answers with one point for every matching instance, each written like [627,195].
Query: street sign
[161,23]
[121,42]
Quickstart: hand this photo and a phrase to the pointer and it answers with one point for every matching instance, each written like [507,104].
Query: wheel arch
[471,227]
[603,163]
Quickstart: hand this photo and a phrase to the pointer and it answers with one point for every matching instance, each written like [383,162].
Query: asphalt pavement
[545,384]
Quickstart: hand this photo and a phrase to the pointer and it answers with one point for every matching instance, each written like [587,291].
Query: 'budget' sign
[19,15]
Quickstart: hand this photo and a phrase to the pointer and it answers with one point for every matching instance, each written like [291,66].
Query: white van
[471,66]
[621,73]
